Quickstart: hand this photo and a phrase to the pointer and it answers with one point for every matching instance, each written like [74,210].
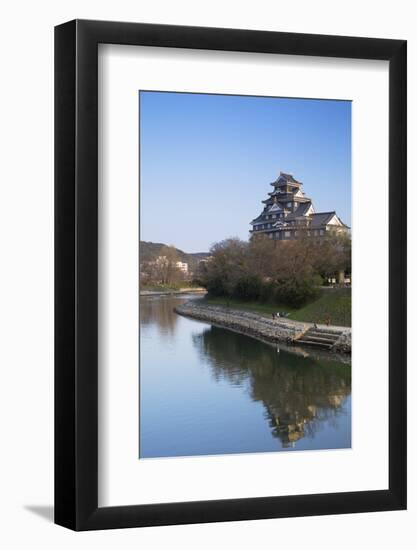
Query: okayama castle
[289,214]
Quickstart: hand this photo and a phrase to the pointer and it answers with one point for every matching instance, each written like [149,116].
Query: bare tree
[164,269]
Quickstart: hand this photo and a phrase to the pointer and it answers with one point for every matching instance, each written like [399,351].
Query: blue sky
[206,161]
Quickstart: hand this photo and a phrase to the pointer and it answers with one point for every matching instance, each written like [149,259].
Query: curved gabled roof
[323,218]
[284,179]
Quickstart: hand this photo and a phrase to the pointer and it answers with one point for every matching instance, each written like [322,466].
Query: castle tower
[288,213]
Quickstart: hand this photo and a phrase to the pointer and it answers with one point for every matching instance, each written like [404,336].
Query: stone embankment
[344,343]
[259,326]
[188,290]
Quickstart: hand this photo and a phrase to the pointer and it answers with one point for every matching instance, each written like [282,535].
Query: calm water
[206,390]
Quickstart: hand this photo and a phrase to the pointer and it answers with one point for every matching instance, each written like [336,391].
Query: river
[205,390]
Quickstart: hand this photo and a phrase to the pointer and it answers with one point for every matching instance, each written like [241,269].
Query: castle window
[287,233]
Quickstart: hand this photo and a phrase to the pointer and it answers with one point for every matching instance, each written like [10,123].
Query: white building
[182,266]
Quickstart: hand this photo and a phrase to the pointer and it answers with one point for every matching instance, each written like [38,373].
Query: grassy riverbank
[333,303]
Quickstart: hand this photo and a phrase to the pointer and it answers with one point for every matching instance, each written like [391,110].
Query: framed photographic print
[230,247]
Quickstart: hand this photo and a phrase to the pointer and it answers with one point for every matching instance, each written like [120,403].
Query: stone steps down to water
[320,337]
[331,338]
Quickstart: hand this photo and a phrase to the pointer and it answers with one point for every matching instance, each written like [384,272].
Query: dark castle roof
[302,208]
[284,178]
[288,177]
[321,218]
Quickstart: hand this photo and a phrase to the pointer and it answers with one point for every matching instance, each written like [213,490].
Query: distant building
[182,266]
[289,214]
[163,261]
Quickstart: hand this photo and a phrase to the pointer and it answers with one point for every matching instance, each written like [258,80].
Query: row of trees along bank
[279,272]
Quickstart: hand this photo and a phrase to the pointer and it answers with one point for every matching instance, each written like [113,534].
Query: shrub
[248,288]
[295,293]
[317,280]
[215,286]
[267,292]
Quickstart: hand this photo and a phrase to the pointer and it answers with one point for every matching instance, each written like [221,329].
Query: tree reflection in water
[159,312]
[299,393]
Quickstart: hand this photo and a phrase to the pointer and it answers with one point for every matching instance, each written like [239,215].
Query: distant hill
[150,251]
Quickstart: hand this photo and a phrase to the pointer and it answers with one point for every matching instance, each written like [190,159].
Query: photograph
[245,274]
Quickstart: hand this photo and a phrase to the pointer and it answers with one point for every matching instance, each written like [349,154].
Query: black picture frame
[76,272]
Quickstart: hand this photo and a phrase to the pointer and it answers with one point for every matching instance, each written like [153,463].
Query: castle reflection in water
[298,392]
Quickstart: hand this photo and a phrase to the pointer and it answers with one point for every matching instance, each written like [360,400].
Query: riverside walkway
[331,338]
